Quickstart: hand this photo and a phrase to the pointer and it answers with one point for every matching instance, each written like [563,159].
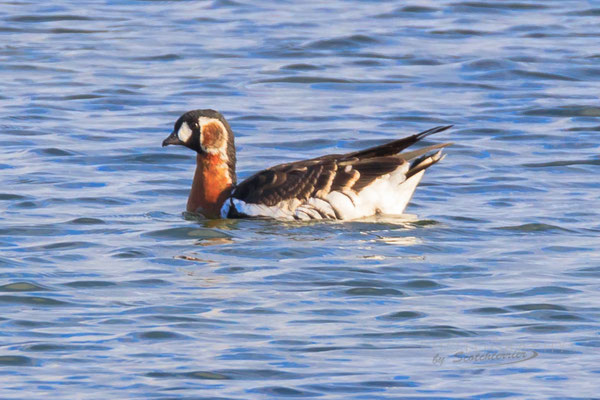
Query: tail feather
[409,155]
[396,146]
[431,131]
[424,162]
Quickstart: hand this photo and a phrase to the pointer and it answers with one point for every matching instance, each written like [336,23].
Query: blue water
[108,291]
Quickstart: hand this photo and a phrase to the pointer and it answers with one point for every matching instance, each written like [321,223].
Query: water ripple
[105,279]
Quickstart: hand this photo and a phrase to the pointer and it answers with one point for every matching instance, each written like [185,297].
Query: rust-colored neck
[211,186]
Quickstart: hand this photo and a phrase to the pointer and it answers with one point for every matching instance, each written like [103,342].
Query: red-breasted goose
[358,184]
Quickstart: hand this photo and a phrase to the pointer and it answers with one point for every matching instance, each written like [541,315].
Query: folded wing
[337,186]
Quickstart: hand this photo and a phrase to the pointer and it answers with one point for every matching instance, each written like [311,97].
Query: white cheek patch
[184,133]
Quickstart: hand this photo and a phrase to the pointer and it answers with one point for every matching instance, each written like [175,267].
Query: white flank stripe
[261,210]
[225,208]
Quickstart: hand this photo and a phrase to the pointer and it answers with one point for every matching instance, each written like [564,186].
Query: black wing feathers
[397,146]
[292,181]
[334,172]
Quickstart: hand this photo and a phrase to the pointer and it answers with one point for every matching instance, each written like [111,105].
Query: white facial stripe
[184,133]
[207,120]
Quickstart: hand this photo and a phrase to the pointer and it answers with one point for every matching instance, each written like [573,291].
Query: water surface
[108,291]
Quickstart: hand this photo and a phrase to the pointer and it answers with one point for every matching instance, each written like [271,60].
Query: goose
[377,180]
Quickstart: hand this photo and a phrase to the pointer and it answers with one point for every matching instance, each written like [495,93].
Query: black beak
[172,139]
